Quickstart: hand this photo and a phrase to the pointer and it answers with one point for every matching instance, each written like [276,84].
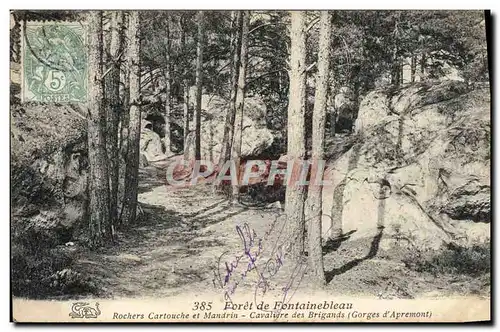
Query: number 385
[202,305]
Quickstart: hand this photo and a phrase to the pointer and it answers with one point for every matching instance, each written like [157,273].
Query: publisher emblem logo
[84,310]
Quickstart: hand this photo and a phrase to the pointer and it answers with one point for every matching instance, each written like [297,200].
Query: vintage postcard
[250,166]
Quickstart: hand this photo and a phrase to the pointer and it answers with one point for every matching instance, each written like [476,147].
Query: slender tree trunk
[395,79]
[129,209]
[186,119]
[124,93]
[114,110]
[231,112]
[314,195]
[96,121]
[199,80]
[106,42]
[230,116]
[151,79]
[396,61]
[124,116]
[413,68]
[295,195]
[401,72]
[234,39]
[185,90]
[423,61]
[168,82]
[240,100]
[334,111]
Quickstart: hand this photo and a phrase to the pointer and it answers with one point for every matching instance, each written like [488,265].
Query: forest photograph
[160,153]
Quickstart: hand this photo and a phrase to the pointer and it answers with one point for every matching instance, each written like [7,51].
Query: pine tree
[240,98]
[199,82]
[227,140]
[96,121]
[185,86]
[114,109]
[314,195]
[295,195]
[129,209]
[168,82]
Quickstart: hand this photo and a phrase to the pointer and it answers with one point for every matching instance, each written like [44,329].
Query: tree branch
[308,69]
[264,25]
[106,72]
[312,24]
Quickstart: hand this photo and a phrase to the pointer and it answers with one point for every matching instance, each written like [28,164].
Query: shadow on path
[334,244]
[205,209]
[329,275]
[218,216]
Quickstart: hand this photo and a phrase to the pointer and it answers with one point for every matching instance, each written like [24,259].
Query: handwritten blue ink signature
[252,249]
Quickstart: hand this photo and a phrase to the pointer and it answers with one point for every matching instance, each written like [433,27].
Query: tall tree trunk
[314,195]
[124,92]
[232,46]
[240,100]
[400,72]
[396,61]
[395,76]
[129,209]
[333,111]
[124,115]
[106,42]
[199,80]
[96,121]
[423,62]
[413,68]
[185,89]
[114,109]
[168,82]
[395,79]
[186,117]
[231,112]
[295,195]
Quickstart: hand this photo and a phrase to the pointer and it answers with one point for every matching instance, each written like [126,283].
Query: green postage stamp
[54,65]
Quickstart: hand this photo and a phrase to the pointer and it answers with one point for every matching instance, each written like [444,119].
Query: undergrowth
[451,259]
[40,268]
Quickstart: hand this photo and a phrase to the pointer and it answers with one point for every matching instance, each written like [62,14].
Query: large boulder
[49,171]
[342,108]
[150,146]
[256,138]
[420,168]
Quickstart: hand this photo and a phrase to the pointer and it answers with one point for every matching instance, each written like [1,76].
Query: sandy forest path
[181,233]
[174,245]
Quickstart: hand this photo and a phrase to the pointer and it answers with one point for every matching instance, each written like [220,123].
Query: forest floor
[181,233]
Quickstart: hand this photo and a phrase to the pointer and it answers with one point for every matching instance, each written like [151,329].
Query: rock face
[49,170]
[256,137]
[151,146]
[420,168]
[342,109]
